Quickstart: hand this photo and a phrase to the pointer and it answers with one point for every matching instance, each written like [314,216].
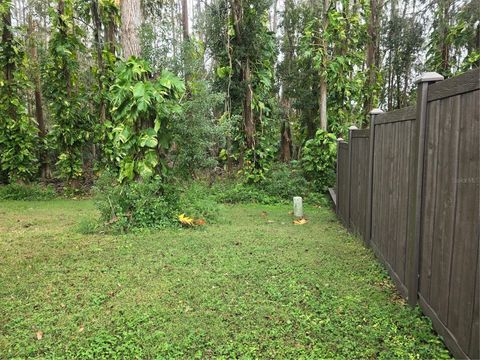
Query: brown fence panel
[359,150]
[411,189]
[392,177]
[450,218]
[342,182]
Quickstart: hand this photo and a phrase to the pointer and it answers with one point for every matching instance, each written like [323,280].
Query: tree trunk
[99,48]
[186,35]
[131,15]
[63,30]
[322,101]
[323,104]
[275,15]
[247,107]
[444,42]
[248,120]
[39,117]
[187,63]
[286,140]
[109,30]
[7,37]
[372,61]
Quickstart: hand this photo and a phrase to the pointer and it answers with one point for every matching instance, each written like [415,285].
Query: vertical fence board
[474,349]
[465,248]
[390,184]
[359,145]
[430,179]
[342,191]
[445,208]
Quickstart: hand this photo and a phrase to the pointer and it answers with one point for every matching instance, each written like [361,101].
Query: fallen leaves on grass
[188,221]
[185,220]
[300,221]
[200,222]
[39,335]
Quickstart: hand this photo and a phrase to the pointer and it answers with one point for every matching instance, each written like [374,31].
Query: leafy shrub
[18,143]
[285,182]
[280,184]
[150,204]
[197,202]
[240,192]
[26,192]
[318,161]
[147,204]
[87,226]
[142,110]
[197,132]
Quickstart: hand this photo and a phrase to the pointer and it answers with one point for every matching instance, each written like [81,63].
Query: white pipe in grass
[298,207]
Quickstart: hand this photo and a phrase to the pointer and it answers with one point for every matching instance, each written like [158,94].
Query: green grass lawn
[252,286]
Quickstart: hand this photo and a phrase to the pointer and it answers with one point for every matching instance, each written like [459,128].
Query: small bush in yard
[197,202]
[26,192]
[318,161]
[148,204]
[151,203]
[285,181]
[281,184]
[239,192]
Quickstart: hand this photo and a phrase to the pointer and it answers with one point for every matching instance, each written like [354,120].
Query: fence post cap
[375,111]
[428,77]
[353,127]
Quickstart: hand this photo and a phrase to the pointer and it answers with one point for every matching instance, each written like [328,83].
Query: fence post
[351,129]
[339,140]
[416,194]
[368,218]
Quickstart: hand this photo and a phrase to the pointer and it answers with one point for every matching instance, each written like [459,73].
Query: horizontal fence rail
[409,187]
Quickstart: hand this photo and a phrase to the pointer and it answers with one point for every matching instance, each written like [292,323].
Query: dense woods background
[149,88]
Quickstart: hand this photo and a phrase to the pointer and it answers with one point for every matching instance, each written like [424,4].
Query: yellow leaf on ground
[300,221]
[185,220]
[39,335]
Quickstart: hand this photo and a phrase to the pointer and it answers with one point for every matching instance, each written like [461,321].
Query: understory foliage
[151,203]
[319,159]
[30,192]
[244,50]
[18,141]
[72,131]
[147,204]
[280,185]
[142,110]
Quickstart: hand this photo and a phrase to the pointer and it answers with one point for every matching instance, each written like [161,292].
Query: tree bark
[373,59]
[186,34]
[247,107]
[187,63]
[323,104]
[99,49]
[63,30]
[131,15]
[285,135]
[444,42]
[7,37]
[322,101]
[39,117]
[248,120]
[275,15]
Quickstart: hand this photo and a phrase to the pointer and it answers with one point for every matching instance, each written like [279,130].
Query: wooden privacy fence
[409,186]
